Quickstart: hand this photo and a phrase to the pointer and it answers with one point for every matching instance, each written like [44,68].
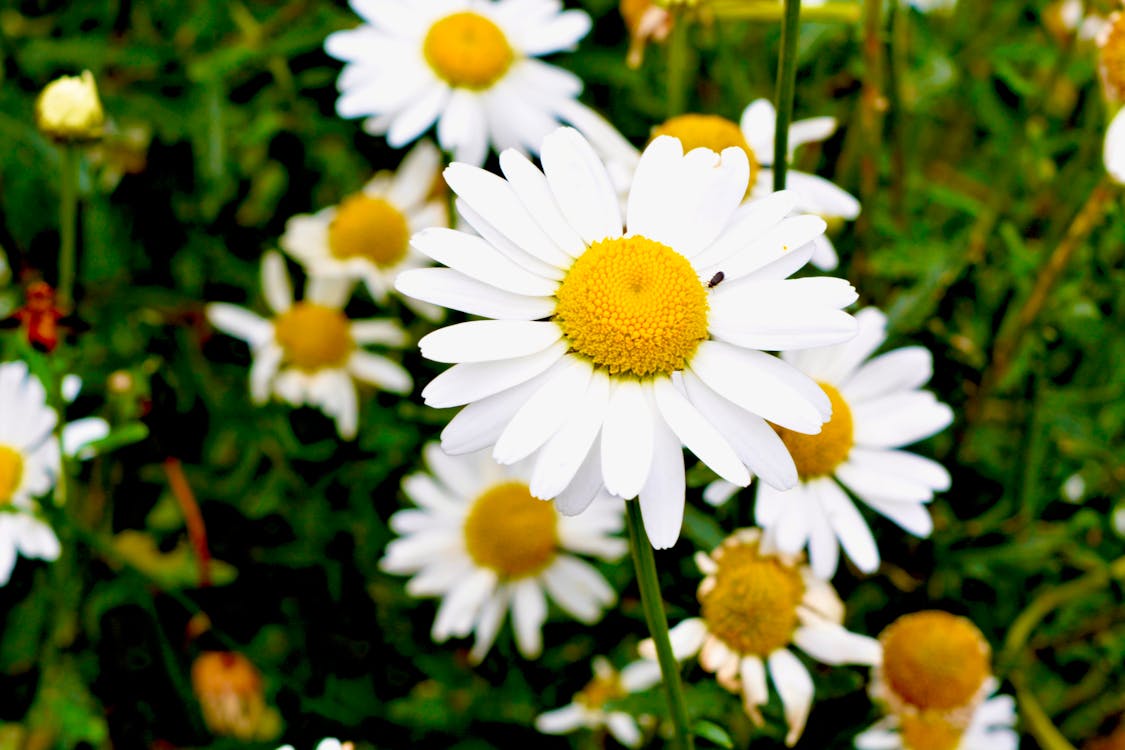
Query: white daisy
[933,680]
[612,347]
[877,408]
[990,728]
[755,603]
[588,709]
[468,65]
[755,136]
[30,463]
[482,543]
[367,236]
[309,352]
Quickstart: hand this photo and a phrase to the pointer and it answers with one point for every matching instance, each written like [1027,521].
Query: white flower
[329,743]
[1114,153]
[30,463]
[990,728]
[755,603]
[69,109]
[469,65]
[754,134]
[367,236]
[877,407]
[309,352]
[588,711]
[612,348]
[482,543]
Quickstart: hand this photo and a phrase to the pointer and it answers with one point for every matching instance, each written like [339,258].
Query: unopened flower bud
[68,109]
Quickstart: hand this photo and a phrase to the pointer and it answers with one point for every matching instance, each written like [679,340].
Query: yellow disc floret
[11,473]
[468,50]
[819,455]
[511,532]
[934,660]
[929,731]
[708,131]
[601,690]
[752,604]
[314,337]
[1111,57]
[633,306]
[370,228]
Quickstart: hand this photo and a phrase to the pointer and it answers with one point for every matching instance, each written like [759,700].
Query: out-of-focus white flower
[588,709]
[68,109]
[990,728]
[310,352]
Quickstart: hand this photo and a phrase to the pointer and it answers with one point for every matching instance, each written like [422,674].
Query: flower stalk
[678,61]
[645,563]
[786,86]
[68,225]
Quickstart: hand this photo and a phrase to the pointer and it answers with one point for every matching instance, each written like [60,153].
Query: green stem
[678,54]
[786,85]
[741,10]
[68,217]
[645,563]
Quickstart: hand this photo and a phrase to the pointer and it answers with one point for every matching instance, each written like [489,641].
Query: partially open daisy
[754,135]
[482,543]
[989,728]
[754,605]
[468,65]
[367,236]
[588,710]
[30,463]
[877,407]
[612,347]
[309,351]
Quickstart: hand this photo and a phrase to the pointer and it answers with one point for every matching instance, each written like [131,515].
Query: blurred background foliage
[973,138]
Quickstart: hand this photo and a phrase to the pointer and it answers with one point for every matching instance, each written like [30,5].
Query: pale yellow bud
[68,109]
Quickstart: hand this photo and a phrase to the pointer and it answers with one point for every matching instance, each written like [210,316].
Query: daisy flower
[934,679]
[754,604]
[367,236]
[611,348]
[310,352]
[30,462]
[754,135]
[588,709]
[877,407]
[468,65]
[989,728]
[482,543]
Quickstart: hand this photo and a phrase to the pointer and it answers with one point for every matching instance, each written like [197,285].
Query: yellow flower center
[752,606]
[709,131]
[633,306]
[601,690]
[314,337]
[511,532]
[929,731]
[11,473]
[1111,59]
[934,660]
[819,455]
[370,228]
[468,50]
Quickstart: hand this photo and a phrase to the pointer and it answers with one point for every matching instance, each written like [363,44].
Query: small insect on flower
[716,280]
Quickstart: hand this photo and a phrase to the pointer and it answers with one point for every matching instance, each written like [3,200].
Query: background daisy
[310,352]
[615,344]
[991,727]
[877,408]
[754,605]
[484,545]
[367,236]
[468,65]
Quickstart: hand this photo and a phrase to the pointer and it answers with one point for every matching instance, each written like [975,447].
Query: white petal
[479,260]
[578,589]
[627,438]
[416,117]
[460,607]
[759,126]
[489,620]
[488,340]
[262,371]
[531,187]
[462,384]
[624,729]
[836,364]
[662,496]
[755,691]
[784,239]
[695,432]
[479,424]
[749,223]
[851,529]
[1115,148]
[563,454]
[452,289]
[82,432]
[901,370]
[900,419]
[812,130]
[415,176]
[581,186]
[783,315]
[545,412]
[821,197]
[529,611]
[380,371]
[511,251]
[385,332]
[276,286]
[835,645]
[795,687]
[240,323]
[912,517]
[562,720]
[462,128]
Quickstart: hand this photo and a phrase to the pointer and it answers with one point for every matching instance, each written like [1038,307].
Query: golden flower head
[69,109]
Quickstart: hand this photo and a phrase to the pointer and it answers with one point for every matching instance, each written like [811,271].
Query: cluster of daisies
[618,305]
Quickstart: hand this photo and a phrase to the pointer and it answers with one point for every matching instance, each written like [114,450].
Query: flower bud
[68,109]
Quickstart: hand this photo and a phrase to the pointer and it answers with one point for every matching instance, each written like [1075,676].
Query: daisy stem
[678,53]
[645,563]
[786,86]
[68,217]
